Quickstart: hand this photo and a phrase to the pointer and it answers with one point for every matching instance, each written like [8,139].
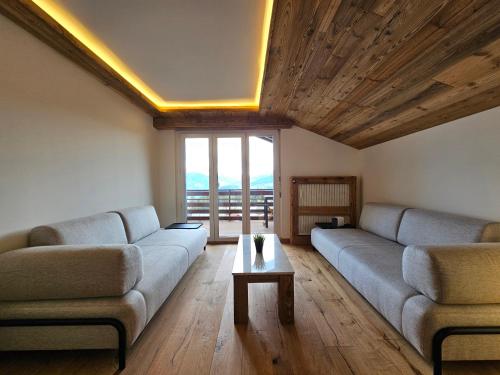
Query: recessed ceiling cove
[177,53]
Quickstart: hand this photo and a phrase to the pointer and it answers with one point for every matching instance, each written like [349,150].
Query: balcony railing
[230,205]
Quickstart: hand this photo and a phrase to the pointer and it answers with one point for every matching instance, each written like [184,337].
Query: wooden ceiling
[360,72]
[364,72]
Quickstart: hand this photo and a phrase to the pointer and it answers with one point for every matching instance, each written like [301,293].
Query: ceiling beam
[29,16]
[220,120]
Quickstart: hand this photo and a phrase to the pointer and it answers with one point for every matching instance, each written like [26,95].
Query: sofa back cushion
[454,274]
[425,227]
[382,219]
[100,229]
[139,222]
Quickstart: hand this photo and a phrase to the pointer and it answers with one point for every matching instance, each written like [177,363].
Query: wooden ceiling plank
[352,115]
[349,44]
[286,48]
[317,76]
[352,21]
[456,12]
[339,108]
[392,108]
[441,101]
[344,123]
[345,20]
[356,91]
[393,31]
[481,102]
[279,39]
[456,45]
[482,63]
[396,88]
[383,7]
[304,52]
[382,76]
[423,39]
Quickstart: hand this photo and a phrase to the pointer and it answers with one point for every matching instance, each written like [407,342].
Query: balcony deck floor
[232,228]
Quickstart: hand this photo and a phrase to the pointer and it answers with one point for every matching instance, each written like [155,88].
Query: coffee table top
[273,259]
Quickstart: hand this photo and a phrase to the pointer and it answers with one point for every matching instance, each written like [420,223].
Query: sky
[229,159]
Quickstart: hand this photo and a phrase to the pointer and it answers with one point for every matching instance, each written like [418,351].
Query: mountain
[227,183]
[262,182]
[200,181]
[196,181]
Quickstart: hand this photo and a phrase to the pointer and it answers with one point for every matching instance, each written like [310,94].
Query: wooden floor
[335,331]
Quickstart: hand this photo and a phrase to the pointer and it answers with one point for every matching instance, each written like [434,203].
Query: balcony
[230,210]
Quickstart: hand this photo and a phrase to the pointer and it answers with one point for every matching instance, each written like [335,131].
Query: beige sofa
[423,271]
[117,265]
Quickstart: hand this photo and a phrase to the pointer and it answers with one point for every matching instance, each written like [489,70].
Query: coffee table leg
[240,299]
[285,299]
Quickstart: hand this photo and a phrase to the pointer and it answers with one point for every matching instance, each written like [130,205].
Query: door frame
[212,136]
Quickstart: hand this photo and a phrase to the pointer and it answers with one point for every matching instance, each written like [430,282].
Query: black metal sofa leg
[443,333]
[117,324]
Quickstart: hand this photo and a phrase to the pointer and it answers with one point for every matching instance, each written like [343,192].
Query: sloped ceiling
[364,72]
[360,72]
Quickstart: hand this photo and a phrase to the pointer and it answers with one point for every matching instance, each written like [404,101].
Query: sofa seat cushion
[192,240]
[100,229]
[69,271]
[130,309]
[382,219]
[376,273]
[424,227]
[139,222]
[422,318]
[163,266]
[330,242]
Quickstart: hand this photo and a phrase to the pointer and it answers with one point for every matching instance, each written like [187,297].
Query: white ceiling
[185,50]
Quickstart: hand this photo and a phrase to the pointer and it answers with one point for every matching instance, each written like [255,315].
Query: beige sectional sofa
[116,265]
[423,271]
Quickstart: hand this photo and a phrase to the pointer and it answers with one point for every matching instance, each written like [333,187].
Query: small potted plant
[259,239]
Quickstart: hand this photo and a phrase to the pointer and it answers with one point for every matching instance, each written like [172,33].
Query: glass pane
[197,181]
[261,168]
[229,186]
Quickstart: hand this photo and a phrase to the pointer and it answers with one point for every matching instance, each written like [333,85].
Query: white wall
[69,146]
[453,168]
[166,182]
[304,153]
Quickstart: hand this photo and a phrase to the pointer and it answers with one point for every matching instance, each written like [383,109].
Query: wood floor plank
[335,331]
[227,356]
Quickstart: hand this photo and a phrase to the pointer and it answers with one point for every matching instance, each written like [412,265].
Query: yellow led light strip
[75,28]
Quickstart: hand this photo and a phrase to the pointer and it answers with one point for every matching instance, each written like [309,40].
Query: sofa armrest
[62,272]
[455,274]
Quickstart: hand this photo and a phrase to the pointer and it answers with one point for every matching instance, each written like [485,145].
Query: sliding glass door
[261,180]
[228,182]
[197,193]
[229,186]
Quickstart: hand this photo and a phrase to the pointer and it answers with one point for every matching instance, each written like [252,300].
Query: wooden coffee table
[272,266]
